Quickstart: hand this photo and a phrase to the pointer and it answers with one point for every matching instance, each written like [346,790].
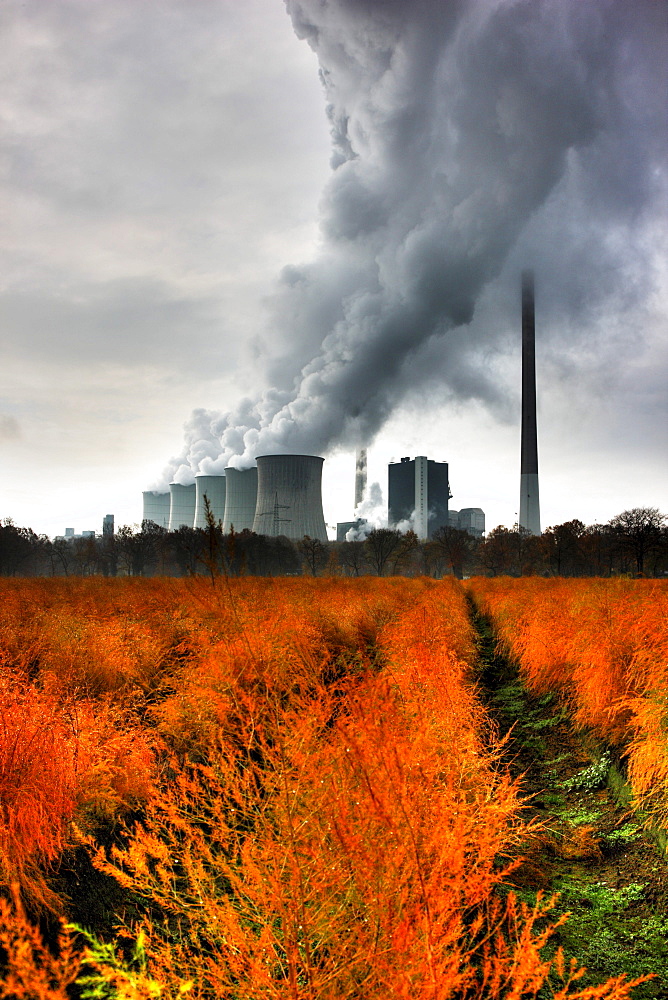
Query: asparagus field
[297,788]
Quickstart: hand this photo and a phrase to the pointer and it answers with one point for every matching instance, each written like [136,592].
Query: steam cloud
[453,125]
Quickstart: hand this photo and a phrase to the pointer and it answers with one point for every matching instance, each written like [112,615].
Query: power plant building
[469,519]
[213,488]
[240,499]
[289,496]
[343,527]
[418,489]
[156,507]
[181,506]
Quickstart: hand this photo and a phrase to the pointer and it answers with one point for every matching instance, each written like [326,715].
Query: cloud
[467,139]
[9,428]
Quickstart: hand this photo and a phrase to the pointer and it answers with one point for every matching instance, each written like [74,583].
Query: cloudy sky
[232,229]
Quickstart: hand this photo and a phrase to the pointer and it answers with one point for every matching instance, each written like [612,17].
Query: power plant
[529,499]
[289,496]
[282,495]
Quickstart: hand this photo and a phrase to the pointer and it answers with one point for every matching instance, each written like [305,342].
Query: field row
[602,647]
[292,784]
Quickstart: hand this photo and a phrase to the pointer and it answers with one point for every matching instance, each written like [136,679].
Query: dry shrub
[38,784]
[648,754]
[334,821]
[346,842]
[59,760]
[31,970]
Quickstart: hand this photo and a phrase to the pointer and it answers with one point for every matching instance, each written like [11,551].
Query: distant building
[108,526]
[343,527]
[70,535]
[470,519]
[418,489]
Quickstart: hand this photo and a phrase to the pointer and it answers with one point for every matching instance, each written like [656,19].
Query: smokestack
[240,499]
[289,496]
[213,488]
[529,500]
[360,476]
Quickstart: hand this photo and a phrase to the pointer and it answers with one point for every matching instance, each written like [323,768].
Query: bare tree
[457,547]
[380,546]
[352,556]
[313,552]
[638,531]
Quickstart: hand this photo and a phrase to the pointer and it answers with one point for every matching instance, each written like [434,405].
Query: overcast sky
[235,228]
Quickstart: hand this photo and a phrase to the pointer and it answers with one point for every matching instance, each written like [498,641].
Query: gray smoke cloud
[465,137]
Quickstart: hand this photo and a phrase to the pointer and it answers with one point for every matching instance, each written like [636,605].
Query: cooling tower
[360,476]
[181,506]
[289,496]
[156,507]
[240,498]
[213,487]
[529,501]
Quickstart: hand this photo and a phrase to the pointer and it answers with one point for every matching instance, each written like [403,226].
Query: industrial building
[156,507]
[470,519]
[213,488]
[181,506]
[418,489]
[343,527]
[289,496]
[240,499]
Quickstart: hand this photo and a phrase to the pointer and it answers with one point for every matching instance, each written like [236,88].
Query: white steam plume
[453,124]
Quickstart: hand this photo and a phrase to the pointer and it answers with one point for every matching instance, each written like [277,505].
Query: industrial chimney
[360,476]
[289,496]
[181,506]
[213,487]
[529,500]
[156,507]
[240,498]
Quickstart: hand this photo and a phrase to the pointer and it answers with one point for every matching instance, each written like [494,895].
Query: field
[304,788]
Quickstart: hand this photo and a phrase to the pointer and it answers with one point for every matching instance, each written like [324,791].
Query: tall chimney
[529,499]
[360,476]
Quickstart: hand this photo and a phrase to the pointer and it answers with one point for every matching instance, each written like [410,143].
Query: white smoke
[370,513]
[453,125]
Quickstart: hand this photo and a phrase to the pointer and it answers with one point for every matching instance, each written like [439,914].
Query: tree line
[634,542]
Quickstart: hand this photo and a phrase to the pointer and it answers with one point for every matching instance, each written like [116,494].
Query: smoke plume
[459,130]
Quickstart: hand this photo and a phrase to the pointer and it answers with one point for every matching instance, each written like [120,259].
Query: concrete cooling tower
[240,499]
[213,487]
[289,496]
[181,506]
[156,507]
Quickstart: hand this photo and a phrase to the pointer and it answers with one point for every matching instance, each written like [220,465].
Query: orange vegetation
[602,645]
[320,811]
